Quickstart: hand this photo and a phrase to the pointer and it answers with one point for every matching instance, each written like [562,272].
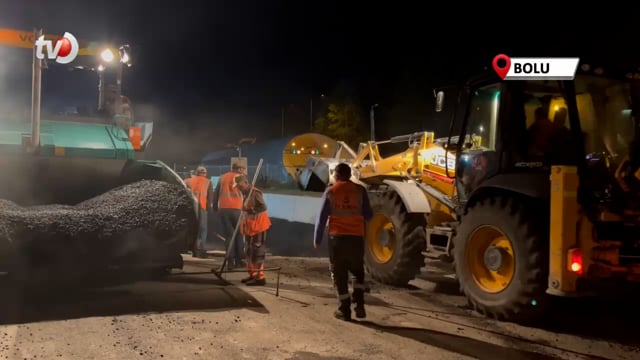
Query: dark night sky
[224,69]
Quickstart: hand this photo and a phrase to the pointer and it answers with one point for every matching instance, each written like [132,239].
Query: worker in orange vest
[227,201]
[345,205]
[254,226]
[201,187]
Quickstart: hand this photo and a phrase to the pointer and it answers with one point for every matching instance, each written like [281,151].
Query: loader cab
[512,132]
[506,135]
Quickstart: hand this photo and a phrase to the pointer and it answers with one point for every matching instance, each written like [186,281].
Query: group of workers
[345,210]
[237,204]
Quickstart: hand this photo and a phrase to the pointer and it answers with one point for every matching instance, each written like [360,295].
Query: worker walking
[227,201]
[345,205]
[200,186]
[254,225]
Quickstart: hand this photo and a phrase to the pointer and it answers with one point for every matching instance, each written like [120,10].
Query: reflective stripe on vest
[230,196]
[199,186]
[346,217]
[253,224]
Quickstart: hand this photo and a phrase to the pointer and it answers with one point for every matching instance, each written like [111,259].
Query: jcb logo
[442,161]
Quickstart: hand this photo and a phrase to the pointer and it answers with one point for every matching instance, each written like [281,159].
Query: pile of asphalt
[138,222]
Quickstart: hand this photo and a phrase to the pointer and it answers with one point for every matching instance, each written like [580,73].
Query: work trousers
[346,254]
[202,229]
[255,251]
[228,220]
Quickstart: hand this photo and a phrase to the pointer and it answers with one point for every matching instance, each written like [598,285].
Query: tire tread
[411,232]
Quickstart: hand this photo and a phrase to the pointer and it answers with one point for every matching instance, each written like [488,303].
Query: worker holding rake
[254,225]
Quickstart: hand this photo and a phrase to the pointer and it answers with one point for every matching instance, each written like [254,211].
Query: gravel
[147,221]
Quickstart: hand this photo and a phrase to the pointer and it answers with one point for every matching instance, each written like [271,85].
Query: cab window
[548,134]
[483,118]
[604,106]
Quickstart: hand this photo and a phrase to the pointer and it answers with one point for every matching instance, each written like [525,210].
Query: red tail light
[575,261]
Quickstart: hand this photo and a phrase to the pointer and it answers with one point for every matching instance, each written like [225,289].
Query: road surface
[202,317]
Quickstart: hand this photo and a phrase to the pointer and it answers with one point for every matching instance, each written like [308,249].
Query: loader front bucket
[315,176]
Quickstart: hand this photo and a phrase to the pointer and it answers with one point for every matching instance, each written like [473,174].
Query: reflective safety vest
[345,199]
[230,196]
[253,224]
[199,186]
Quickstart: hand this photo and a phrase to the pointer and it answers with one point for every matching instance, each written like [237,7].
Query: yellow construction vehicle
[533,194]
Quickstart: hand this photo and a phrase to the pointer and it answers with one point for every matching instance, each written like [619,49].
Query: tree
[343,118]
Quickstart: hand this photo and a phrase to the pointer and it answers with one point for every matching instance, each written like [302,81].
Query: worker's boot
[358,298]
[256,282]
[344,311]
[248,278]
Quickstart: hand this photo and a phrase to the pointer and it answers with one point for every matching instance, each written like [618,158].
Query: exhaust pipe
[36,87]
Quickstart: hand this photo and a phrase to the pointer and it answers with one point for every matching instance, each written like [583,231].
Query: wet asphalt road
[202,317]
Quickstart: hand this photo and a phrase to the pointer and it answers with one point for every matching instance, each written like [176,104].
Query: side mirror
[439,101]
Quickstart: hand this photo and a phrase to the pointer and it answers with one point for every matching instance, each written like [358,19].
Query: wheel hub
[490,258]
[381,238]
[494,258]
[385,237]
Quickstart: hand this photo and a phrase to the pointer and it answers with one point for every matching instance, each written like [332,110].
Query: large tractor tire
[395,240]
[501,258]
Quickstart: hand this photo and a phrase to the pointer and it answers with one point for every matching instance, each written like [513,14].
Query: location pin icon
[501,69]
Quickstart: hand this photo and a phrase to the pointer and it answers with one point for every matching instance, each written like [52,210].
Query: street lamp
[372,121]
[238,145]
[311,111]
[107,55]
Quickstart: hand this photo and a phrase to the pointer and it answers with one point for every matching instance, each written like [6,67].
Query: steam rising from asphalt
[178,139]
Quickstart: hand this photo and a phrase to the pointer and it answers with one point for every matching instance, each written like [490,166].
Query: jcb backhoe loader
[533,194]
